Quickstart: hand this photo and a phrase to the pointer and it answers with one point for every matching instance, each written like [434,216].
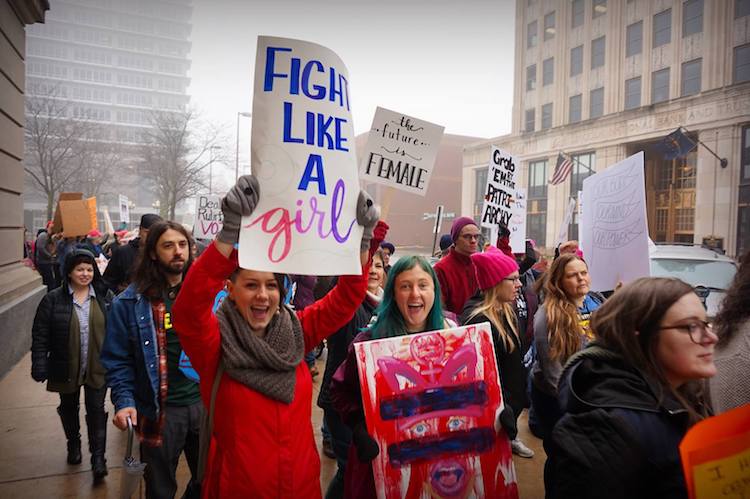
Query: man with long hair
[142,356]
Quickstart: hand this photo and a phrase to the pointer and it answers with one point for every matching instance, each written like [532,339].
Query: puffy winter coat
[260,447]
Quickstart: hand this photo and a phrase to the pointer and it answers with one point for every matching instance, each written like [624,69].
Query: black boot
[97,428]
[72,427]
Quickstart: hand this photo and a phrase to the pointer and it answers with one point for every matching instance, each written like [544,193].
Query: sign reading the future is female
[400,151]
[303,156]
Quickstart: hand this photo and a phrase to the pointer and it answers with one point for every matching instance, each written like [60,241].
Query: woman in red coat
[262,443]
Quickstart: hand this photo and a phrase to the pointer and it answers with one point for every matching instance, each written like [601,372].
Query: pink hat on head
[492,267]
[94,233]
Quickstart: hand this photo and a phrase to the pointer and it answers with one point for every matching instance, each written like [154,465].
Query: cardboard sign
[303,156]
[614,224]
[400,151]
[109,228]
[208,217]
[73,215]
[124,209]
[715,456]
[517,225]
[91,207]
[431,401]
[57,222]
[500,191]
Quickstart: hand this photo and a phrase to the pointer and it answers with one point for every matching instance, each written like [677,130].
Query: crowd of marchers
[611,381]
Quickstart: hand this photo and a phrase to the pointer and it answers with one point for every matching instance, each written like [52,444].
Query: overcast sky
[445,61]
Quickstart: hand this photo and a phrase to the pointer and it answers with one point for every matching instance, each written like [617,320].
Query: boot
[97,428]
[72,427]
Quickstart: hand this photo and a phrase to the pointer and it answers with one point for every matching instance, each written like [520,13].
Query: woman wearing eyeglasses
[629,397]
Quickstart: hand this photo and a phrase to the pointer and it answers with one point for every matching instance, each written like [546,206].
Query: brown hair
[628,324]
[736,305]
[148,276]
[563,328]
[489,308]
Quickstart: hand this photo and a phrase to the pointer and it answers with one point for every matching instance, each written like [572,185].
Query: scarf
[266,364]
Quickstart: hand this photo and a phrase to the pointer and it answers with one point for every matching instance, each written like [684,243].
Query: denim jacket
[130,354]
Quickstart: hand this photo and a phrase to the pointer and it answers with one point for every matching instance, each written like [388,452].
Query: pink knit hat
[492,266]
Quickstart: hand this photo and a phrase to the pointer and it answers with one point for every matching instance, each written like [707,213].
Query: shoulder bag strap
[207,424]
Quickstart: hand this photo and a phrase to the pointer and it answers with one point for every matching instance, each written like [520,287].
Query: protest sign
[614,224]
[400,151]
[124,209]
[108,227]
[73,215]
[57,221]
[500,191]
[303,157]
[208,217]
[91,208]
[431,401]
[517,225]
[580,219]
[562,232]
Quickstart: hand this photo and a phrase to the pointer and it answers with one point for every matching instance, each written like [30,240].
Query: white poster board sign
[518,222]
[400,151]
[124,209]
[580,220]
[500,191]
[614,224]
[208,217]
[562,232]
[303,156]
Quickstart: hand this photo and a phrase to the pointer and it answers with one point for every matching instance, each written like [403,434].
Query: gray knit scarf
[265,364]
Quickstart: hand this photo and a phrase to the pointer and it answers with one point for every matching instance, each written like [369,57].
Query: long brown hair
[735,308]
[148,276]
[563,328]
[489,308]
[628,323]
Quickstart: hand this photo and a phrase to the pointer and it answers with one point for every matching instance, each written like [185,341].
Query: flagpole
[722,161]
[579,162]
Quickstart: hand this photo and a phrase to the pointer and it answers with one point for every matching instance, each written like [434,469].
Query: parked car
[706,270]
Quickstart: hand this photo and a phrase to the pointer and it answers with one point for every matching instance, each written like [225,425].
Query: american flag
[562,169]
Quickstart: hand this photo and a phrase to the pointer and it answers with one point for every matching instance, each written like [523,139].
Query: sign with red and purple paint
[431,402]
[303,156]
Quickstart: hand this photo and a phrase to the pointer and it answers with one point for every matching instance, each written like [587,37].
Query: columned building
[601,80]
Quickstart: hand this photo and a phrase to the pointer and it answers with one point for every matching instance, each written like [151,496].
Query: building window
[548,71]
[633,93]
[597,52]
[692,17]
[596,103]
[547,116]
[531,77]
[660,85]
[536,214]
[691,77]
[742,63]
[538,179]
[583,164]
[576,60]
[531,35]
[577,17]
[599,8]
[574,111]
[741,9]
[529,125]
[662,28]
[480,178]
[634,39]
[549,26]
[743,215]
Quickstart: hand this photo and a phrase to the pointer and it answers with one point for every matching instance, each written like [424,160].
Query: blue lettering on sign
[313,162]
[320,130]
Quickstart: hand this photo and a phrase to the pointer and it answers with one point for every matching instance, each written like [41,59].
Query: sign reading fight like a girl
[303,156]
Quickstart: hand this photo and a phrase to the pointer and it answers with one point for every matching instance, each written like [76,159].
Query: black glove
[507,421]
[39,371]
[503,231]
[367,216]
[239,202]
[366,446]
[530,251]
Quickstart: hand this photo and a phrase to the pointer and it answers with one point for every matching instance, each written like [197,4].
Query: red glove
[378,236]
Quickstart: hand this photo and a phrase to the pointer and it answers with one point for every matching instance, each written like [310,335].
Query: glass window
[596,104]
[633,93]
[529,124]
[662,28]
[576,60]
[582,166]
[531,77]
[574,111]
[741,8]
[549,26]
[537,179]
[743,215]
[531,35]
[660,85]
[548,71]
[742,63]
[536,214]
[599,8]
[577,17]
[547,116]
[634,39]
[597,52]
[692,17]
[691,77]
[480,179]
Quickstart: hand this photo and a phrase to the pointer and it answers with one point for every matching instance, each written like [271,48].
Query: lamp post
[211,168]
[237,151]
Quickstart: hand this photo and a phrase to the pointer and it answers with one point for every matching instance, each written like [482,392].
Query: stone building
[603,79]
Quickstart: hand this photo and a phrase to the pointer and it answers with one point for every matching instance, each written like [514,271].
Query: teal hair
[389,321]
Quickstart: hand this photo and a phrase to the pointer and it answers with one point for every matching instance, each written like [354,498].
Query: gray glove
[239,202]
[367,216]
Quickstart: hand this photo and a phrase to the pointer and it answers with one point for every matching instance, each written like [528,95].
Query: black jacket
[120,266]
[619,436]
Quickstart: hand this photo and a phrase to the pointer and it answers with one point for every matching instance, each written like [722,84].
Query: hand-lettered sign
[208,217]
[303,156]
[500,191]
[517,225]
[400,151]
[431,402]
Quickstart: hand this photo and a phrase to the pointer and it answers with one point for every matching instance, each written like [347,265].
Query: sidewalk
[33,451]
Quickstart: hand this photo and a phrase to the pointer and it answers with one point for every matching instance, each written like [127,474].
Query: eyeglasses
[470,236]
[513,279]
[697,330]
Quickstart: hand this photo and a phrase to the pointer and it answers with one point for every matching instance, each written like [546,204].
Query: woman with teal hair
[409,306]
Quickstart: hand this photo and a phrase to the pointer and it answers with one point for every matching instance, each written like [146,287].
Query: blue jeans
[341,439]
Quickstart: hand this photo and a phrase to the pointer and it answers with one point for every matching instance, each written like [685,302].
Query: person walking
[67,336]
[122,262]
[45,258]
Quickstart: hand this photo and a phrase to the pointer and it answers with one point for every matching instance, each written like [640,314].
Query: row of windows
[54,70]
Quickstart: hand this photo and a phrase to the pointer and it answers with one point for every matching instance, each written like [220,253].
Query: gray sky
[445,61]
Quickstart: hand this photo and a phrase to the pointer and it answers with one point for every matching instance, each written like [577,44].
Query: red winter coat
[458,280]
[260,447]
